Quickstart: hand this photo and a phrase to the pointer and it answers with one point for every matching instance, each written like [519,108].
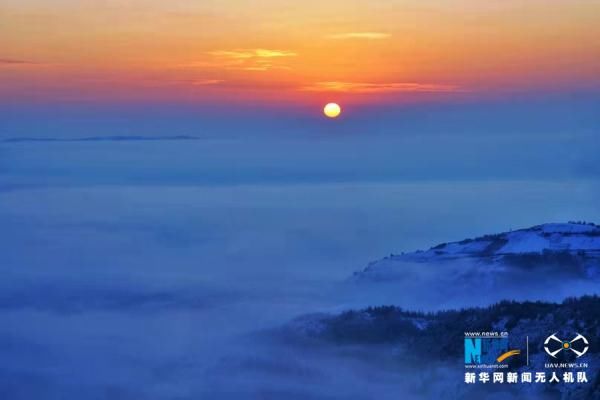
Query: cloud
[369,87]
[9,61]
[258,59]
[207,82]
[199,64]
[361,35]
[245,54]
[83,296]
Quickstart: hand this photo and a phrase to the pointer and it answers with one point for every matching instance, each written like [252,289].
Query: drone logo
[552,348]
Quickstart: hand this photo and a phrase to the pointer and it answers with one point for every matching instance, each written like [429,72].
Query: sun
[332,110]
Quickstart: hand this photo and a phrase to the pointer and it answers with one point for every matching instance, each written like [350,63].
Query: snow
[472,247]
[568,228]
[420,323]
[571,237]
[555,237]
[524,242]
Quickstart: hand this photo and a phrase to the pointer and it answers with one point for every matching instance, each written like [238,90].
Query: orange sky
[291,50]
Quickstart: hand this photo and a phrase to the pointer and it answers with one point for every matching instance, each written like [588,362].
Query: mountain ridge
[571,243]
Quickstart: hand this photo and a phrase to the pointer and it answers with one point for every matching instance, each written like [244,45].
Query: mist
[152,270]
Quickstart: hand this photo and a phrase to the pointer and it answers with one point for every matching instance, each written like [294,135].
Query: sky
[294,55]
[451,91]
[139,265]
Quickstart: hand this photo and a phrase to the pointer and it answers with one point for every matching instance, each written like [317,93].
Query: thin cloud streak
[246,54]
[369,87]
[258,59]
[9,61]
[207,82]
[360,35]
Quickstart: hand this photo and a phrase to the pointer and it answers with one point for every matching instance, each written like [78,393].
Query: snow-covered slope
[554,243]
